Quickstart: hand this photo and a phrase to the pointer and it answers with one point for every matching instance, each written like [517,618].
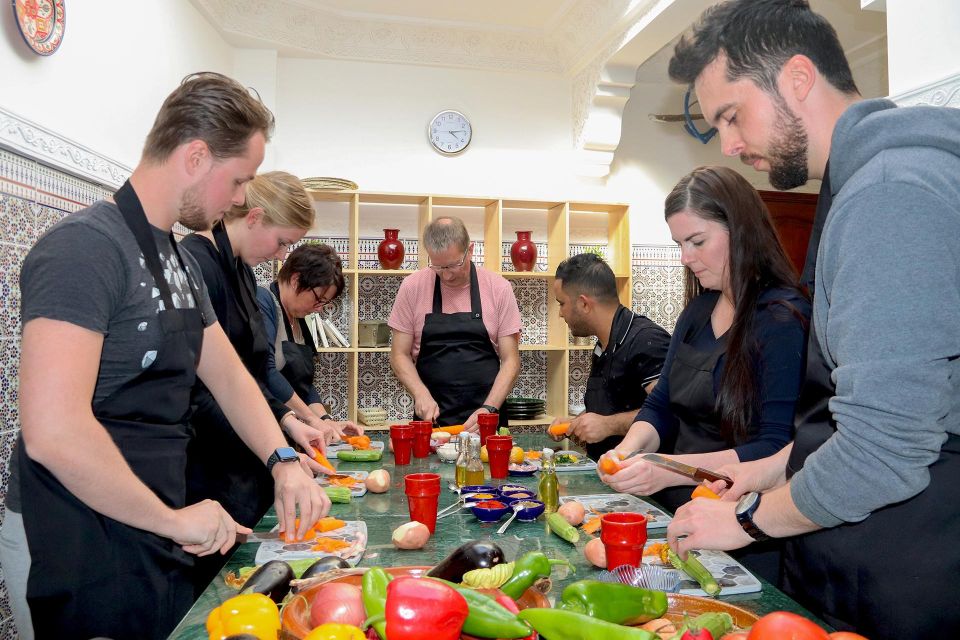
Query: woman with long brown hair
[733,370]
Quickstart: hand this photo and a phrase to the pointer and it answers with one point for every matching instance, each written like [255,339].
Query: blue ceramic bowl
[528,513]
[510,488]
[477,488]
[487,514]
[519,495]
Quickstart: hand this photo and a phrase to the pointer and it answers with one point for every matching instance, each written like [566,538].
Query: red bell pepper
[510,605]
[416,606]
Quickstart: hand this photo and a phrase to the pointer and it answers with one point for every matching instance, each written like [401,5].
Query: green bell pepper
[527,569]
[616,603]
[488,618]
[373,591]
[557,624]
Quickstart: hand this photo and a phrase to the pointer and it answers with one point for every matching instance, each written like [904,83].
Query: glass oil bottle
[463,444]
[549,488]
[474,466]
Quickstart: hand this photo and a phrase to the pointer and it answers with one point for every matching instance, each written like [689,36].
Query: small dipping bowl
[447,452]
[519,495]
[510,488]
[531,509]
[490,510]
[477,488]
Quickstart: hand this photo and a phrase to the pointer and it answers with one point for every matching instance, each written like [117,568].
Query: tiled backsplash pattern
[34,197]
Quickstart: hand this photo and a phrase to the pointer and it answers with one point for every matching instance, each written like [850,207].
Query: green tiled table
[386,511]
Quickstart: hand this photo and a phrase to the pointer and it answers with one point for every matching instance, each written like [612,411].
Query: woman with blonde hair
[277,212]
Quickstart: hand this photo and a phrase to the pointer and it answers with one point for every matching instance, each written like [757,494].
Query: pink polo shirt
[501,315]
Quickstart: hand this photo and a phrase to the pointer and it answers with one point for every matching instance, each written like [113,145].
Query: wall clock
[41,23]
[449,132]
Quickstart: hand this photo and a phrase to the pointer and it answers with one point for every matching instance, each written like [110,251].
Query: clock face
[449,132]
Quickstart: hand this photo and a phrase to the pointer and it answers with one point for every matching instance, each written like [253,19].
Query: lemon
[516,455]
[483,454]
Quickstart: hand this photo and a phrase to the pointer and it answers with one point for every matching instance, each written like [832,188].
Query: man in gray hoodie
[868,492]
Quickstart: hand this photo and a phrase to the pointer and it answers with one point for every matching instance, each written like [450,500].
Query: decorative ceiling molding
[33,141]
[941,93]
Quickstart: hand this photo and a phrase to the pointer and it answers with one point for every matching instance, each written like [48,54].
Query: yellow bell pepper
[251,613]
[334,631]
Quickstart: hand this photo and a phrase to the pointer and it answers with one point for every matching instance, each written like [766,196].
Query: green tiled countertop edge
[386,511]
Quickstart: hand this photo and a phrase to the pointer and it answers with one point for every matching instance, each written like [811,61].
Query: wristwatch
[490,408]
[326,416]
[282,454]
[746,507]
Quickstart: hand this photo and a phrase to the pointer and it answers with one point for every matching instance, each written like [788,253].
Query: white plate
[584,463]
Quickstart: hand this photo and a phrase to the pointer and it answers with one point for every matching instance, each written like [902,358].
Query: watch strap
[326,416]
[490,408]
[275,458]
[749,526]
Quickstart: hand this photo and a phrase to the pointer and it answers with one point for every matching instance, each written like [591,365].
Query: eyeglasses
[456,265]
[321,303]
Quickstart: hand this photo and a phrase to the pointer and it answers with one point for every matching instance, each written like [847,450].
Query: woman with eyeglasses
[310,279]
[276,213]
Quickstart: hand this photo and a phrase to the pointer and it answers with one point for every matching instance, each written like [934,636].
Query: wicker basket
[328,184]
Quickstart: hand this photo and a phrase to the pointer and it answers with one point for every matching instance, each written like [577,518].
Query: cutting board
[609,502]
[357,490]
[333,447]
[354,533]
[732,576]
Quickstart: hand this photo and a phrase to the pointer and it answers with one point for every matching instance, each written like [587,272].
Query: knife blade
[697,473]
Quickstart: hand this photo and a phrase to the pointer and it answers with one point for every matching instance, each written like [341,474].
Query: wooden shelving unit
[557,217]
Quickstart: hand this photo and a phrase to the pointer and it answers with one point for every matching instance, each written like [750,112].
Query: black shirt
[633,357]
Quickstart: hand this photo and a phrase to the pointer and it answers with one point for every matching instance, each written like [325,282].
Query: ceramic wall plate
[41,23]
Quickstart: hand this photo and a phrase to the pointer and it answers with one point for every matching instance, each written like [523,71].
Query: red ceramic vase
[523,253]
[390,250]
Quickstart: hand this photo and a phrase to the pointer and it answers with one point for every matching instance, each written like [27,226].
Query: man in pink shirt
[456,332]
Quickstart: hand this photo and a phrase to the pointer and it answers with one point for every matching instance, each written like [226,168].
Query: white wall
[367,122]
[103,86]
[922,42]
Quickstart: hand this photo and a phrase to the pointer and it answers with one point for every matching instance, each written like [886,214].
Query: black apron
[893,574]
[299,366]
[220,466]
[457,361]
[694,403]
[603,395]
[91,575]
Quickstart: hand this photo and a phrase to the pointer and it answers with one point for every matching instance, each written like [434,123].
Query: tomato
[783,625]
[846,635]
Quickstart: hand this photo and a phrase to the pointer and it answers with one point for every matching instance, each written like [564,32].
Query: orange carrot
[592,526]
[452,429]
[328,524]
[358,442]
[558,429]
[609,466]
[328,545]
[654,549]
[321,459]
[703,492]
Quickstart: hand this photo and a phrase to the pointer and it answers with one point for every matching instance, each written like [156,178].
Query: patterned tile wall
[657,283]
[331,380]
[532,299]
[32,199]
[378,387]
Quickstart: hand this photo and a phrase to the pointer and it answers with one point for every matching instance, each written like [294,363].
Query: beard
[192,215]
[787,155]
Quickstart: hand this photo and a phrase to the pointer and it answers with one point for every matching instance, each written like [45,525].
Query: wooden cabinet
[793,215]
[492,221]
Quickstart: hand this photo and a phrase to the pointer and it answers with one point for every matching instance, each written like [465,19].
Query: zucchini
[338,495]
[360,455]
[695,569]
[560,526]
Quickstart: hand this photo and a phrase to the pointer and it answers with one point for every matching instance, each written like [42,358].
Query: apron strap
[136,219]
[232,267]
[476,308]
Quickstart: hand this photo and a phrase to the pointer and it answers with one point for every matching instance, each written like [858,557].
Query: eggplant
[324,564]
[476,554]
[271,579]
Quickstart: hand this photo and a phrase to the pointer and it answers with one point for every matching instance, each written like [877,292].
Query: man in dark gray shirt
[98,536]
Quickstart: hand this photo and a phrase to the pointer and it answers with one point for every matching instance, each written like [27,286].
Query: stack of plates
[523,408]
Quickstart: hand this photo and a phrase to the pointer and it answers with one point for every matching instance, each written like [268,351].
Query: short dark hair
[317,265]
[587,273]
[758,37]
[211,107]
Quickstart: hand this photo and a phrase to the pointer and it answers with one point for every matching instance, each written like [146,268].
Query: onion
[378,481]
[337,602]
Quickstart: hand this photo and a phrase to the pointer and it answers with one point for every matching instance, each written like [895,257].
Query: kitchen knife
[697,473]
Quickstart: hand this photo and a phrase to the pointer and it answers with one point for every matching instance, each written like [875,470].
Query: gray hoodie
[887,309]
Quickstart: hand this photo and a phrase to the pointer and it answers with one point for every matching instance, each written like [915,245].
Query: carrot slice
[703,492]
[452,429]
[328,545]
[321,459]
[609,466]
[329,524]
[591,526]
[359,442]
[558,429]
[654,549]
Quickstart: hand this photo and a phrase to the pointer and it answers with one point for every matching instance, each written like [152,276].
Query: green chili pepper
[488,618]
[616,603]
[373,589]
[557,624]
[527,569]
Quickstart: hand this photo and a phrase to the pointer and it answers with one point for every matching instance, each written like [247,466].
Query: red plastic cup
[402,437]
[488,425]
[498,450]
[422,429]
[623,535]
[423,493]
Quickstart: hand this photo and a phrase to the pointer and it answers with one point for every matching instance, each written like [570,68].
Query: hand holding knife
[696,473]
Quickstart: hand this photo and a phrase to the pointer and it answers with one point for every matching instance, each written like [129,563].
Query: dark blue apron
[91,575]
[457,361]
